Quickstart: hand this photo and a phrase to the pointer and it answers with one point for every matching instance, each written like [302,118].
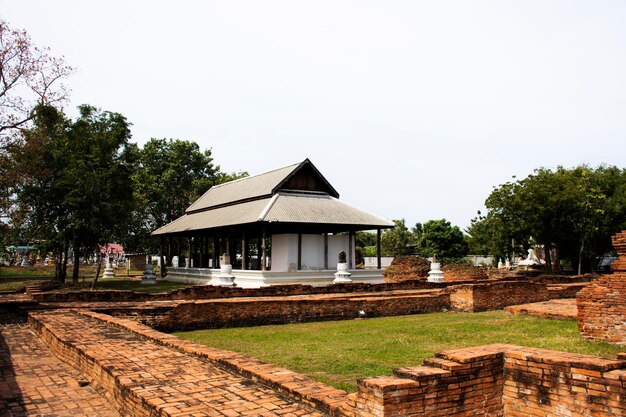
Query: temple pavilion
[284,226]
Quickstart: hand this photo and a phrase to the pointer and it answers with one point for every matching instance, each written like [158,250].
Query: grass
[337,353]
[48,271]
[16,283]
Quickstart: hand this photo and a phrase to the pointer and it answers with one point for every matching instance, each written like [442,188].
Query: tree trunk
[58,265]
[76,265]
[548,257]
[66,247]
[580,257]
[95,278]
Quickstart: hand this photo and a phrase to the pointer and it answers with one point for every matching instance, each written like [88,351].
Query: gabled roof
[283,207]
[256,187]
[295,194]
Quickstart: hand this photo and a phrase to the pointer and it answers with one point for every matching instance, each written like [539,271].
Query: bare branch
[28,76]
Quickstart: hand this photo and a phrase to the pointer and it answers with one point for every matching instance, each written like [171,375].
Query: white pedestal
[225,277]
[149,277]
[435,274]
[24,261]
[108,271]
[342,275]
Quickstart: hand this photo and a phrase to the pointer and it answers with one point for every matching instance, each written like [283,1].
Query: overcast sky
[411,109]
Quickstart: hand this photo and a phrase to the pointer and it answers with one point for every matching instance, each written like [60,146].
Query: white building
[281,227]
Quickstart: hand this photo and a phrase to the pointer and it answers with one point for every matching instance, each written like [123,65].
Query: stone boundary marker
[149,373]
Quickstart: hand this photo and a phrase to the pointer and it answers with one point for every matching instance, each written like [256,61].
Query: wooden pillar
[350,247]
[190,251]
[299,251]
[195,252]
[263,250]
[378,261]
[161,263]
[244,252]
[169,250]
[325,250]
[201,255]
[216,251]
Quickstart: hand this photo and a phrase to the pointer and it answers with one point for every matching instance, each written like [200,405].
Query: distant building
[280,227]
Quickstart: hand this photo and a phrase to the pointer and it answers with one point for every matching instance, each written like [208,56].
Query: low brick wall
[493,380]
[209,314]
[496,295]
[106,379]
[207,292]
[255,311]
[497,380]
[602,304]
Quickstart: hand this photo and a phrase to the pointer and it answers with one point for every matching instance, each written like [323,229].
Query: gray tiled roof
[259,199]
[243,189]
[283,207]
[243,213]
[322,209]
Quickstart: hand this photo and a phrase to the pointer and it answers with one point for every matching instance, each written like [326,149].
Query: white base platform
[257,279]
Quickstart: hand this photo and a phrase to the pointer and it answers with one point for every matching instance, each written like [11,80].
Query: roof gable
[306,178]
[302,177]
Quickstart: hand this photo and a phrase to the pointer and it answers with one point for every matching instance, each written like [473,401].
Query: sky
[411,109]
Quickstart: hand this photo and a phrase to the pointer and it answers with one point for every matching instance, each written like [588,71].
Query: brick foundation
[254,311]
[493,380]
[497,380]
[602,304]
[496,295]
[209,314]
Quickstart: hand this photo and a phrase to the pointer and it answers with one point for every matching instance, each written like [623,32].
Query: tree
[171,174]
[97,177]
[75,180]
[489,235]
[397,241]
[439,237]
[570,212]
[29,76]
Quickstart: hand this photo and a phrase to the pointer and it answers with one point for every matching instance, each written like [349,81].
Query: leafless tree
[29,76]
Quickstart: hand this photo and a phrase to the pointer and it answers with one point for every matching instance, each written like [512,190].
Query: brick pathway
[554,309]
[159,378]
[35,383]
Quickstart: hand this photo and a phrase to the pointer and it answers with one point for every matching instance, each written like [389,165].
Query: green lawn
[337,353]
[118,283]
[15,284]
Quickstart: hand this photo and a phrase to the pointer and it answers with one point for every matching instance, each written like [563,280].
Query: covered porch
[278,254]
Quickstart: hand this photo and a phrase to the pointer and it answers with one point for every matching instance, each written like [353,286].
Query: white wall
[285,251]
[312,252]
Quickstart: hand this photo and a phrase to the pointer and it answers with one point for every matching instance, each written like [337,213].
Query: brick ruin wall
[493,380]
[254,311]
[210,314]
[497,380]
[497,295]
[602,304]
[206,292]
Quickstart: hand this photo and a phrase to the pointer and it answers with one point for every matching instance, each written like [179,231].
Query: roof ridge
[255,175]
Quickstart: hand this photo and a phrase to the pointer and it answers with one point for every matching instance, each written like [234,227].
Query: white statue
[531,259]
